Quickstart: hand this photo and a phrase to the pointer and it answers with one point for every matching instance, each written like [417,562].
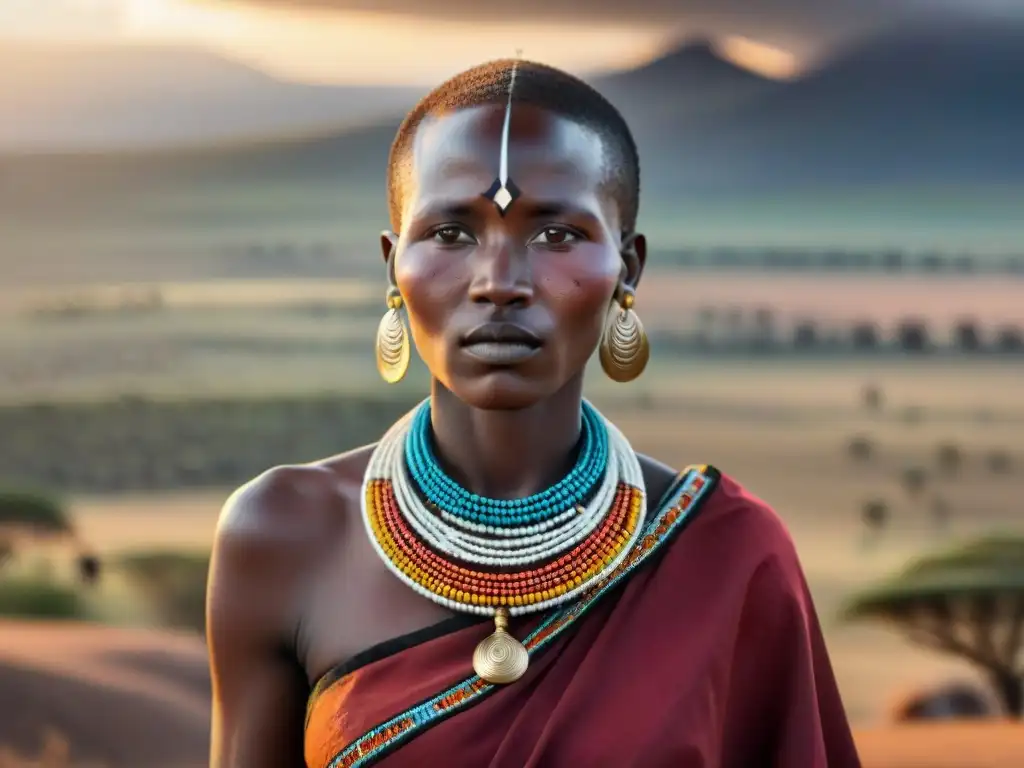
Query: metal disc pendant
[624,349]
[500,659]
[392,347]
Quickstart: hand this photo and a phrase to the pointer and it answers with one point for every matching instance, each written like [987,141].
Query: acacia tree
[968,602]
[914,479]
[950,458]
[874,514]
[27,517]
[26,514]
[860,448]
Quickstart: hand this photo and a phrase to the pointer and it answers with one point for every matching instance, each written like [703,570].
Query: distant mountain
[942,104]
[689,81]
[104,97]
[916,110]
[695,64]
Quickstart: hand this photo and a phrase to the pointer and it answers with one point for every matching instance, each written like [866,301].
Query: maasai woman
[502,581]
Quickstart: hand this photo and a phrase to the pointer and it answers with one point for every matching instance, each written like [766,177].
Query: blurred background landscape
[190,197]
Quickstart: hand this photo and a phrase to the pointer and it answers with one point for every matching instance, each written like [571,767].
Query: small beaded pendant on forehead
[503,191]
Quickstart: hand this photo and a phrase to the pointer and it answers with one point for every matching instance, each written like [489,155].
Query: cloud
[821,14]
[807,28]
[806,25]
[825,18]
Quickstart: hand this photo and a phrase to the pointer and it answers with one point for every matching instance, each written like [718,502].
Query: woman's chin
[502,389]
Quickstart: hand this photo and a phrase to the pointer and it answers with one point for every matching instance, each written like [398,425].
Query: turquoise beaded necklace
[571,491]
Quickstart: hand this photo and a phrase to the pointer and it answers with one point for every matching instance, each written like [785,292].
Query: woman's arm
[784,706]
[259,691]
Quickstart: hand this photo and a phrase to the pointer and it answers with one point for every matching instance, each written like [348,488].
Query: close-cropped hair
[540,86]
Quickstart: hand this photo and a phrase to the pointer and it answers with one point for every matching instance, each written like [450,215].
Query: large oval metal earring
[624,348]
[392,341]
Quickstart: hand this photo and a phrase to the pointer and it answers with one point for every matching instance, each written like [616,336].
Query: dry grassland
[781,428]
[801,468]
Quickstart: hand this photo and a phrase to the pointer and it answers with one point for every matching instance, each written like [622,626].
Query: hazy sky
[424,40]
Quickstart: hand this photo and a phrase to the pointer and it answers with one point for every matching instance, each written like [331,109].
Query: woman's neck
[507,454]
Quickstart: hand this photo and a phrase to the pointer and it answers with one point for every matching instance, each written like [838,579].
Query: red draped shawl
[702,651]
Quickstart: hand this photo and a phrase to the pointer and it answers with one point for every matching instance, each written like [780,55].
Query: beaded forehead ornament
[503,192]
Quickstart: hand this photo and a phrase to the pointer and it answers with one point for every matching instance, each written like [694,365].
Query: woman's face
[506,307]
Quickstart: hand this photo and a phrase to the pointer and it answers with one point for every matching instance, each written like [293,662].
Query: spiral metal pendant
[392,347]
[624,348]
[500,659]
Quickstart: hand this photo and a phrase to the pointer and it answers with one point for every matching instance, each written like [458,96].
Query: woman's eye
[555,236]
[452,235]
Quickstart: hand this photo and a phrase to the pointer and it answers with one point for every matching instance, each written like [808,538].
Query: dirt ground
[105,697]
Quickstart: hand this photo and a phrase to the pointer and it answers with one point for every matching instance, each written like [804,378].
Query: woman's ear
[388,243]
[634,257]
[389,247]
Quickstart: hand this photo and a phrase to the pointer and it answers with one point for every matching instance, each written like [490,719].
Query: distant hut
[1010,340]
[913,337]
[865,336]
[967,336]
[951,701]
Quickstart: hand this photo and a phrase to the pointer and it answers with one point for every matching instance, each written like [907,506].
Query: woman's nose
[501,277]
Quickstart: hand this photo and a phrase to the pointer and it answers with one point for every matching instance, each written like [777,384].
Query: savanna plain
[822,438]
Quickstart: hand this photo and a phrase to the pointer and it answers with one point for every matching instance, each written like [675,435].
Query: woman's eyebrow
[447,209]
[557,208]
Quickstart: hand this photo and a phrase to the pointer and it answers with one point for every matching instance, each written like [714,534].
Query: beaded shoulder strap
[694,487]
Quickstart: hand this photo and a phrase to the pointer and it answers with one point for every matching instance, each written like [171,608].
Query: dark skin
[295,586]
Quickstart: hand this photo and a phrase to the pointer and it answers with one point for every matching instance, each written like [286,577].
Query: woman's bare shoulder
[288,499]
[285,515]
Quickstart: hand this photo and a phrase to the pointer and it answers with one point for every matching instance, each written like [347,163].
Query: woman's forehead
[457,152]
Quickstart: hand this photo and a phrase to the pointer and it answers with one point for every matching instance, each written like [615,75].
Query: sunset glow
[765,59]
[323,46]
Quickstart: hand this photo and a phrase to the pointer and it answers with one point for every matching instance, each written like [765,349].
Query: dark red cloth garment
[707,655]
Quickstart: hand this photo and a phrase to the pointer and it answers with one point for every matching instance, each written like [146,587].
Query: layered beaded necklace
[502,557]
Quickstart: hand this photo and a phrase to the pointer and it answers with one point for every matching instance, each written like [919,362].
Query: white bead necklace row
[500,547]
[485,550]
[508,552]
